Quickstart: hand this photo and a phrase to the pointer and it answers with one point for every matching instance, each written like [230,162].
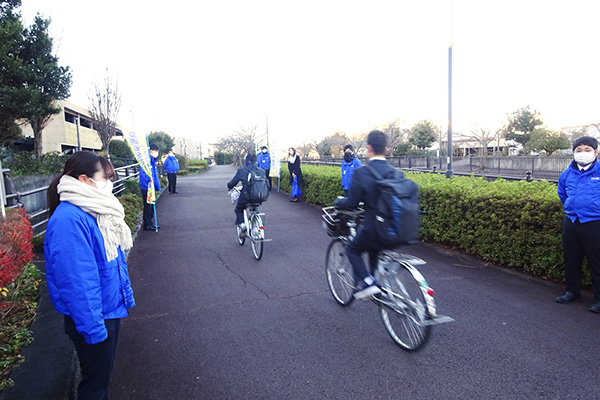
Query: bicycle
[406,302]
[254,227]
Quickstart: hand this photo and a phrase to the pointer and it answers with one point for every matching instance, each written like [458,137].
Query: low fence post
[2,191]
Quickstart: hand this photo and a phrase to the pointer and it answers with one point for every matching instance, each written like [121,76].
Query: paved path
[213,323]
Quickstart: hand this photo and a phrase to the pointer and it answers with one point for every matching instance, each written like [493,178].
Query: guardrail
[39,218]
[469,166]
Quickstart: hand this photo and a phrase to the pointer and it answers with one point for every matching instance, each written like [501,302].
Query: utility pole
[449,171]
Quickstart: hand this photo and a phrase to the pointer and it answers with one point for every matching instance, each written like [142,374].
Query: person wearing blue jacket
[579,192]
[349,164]
[264,161]
[148,214]
[171,166]
[86,272]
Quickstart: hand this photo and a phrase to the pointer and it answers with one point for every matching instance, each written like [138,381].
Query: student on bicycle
[243,175]
[362,188]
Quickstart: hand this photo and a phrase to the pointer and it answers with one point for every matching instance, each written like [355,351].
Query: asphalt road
[213,323]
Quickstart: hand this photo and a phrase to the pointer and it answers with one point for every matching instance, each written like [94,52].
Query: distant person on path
[171,166]
[364,189]
[579,191]
[349,164]
[148,215]
[86,270]
[243,175]
[264,162]
[295,170]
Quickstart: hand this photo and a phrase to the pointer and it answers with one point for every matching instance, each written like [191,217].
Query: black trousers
[239,210]
[172,178]
[267,172]
[148,214]
[96,360]
[363,241]
[581,240]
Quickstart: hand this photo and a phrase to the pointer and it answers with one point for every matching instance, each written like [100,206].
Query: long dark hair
[79,163]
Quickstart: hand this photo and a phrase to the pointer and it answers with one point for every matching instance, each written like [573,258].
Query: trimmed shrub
[16,249]
[515,224]
[133,205]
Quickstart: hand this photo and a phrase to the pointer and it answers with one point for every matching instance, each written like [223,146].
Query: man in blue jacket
[264,161]
[579,191]
[148,215]
[349,164]
[171,166]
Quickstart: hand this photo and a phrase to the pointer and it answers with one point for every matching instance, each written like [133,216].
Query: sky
[305,70]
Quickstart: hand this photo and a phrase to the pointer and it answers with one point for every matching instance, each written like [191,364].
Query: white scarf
[103,206]
[292,159]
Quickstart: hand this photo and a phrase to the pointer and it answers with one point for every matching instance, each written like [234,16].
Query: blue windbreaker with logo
[348,170]
[580,192]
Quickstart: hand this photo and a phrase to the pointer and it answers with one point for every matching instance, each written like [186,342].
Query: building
[63,133]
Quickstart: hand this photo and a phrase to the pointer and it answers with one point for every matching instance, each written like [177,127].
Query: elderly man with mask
[579,191]
[149,223]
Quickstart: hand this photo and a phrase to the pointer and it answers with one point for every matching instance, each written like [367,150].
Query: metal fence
[38,211]
[509,168]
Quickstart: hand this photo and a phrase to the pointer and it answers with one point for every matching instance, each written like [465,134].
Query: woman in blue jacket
[86,271]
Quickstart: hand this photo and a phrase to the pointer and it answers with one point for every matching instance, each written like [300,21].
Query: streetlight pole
[267,129]
[449,171]
[78,139]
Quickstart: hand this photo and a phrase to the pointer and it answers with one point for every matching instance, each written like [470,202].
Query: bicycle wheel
[256,236]
[404,310]
[340,277]
[241,239]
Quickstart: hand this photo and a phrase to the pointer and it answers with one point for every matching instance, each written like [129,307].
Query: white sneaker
[369,289]
[242,227]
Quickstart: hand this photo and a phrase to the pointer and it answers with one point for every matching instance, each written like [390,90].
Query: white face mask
[584,158]
[105,186]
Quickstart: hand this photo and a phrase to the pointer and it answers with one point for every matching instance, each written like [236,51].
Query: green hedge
[515,224]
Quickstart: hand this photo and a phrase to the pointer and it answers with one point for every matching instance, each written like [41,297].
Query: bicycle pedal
[440,319]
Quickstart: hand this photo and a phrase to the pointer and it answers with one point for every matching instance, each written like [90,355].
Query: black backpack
[397,212]
[258,186]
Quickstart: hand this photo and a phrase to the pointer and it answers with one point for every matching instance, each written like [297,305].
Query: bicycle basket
[333,225]
[234,194]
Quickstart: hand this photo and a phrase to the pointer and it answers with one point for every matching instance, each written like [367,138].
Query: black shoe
[568,297]
[151,228]
[596,307]
[175,192]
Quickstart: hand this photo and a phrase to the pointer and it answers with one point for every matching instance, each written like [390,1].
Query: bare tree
[304,149]
[396,136]
[105,102]
[238,144]
[359,142]
[483,138]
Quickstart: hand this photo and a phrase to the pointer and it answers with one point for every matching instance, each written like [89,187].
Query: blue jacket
[145,179]
[81,283]
[580,192]
[171,165]
[348,170]
[264,160]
